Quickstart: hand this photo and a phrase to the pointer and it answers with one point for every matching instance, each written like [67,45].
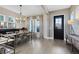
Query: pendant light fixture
[20,14]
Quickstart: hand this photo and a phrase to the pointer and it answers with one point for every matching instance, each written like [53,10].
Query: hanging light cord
[20,11]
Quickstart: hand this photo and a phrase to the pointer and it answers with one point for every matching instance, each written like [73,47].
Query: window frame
[14,22]
[3,20]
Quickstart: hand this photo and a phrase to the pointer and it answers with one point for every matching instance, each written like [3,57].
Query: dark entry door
[59,27]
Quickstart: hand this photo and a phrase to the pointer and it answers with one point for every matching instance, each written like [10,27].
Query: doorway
[34,27]
[59,27]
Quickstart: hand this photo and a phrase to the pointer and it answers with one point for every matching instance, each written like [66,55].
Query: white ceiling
[56,7]
[30,10]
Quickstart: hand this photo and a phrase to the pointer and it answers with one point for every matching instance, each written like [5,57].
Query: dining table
[5,38]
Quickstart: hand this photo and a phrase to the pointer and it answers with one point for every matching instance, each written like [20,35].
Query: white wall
[66,14]
[45,25]
[7,13]
[48,23]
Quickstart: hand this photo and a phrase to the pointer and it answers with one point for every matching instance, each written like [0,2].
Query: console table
[73,39]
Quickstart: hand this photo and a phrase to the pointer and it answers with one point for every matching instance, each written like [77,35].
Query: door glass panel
[58,23]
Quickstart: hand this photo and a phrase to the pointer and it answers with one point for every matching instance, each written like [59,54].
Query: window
[30,25]
[10,19]
[11,22]
[1,18]
[37,25]
[7,22]
[58,23]
[34,25]
[1,21]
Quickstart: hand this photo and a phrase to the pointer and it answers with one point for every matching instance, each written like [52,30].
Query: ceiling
[30,10]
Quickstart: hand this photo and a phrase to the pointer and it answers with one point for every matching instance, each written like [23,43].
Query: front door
[59,27]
